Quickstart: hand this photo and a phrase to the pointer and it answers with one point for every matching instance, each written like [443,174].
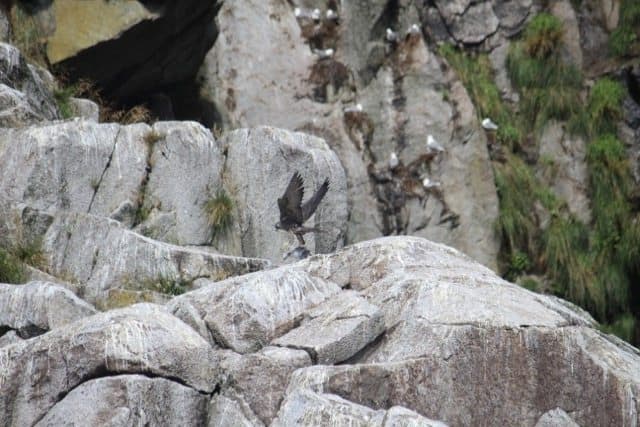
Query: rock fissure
[96,187]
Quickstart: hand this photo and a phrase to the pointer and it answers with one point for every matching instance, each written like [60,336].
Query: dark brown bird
[294,213]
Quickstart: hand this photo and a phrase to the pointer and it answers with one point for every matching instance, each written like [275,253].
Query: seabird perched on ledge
[357,108]
[323,53]
[393,161]
[331,15]
[391,36]
[428,184]
[488,124]
[433,145]
[294,213]
[414,30]
[307,14]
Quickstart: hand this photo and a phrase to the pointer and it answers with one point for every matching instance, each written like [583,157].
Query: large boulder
[36,307]
[144,339]
[257,188]
[24,97]
[126,400]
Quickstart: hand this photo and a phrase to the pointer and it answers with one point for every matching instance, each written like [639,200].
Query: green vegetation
[219,211]
[550,87]
[11,268]
[626,36]
[595,265]
[63,99]
[167,285]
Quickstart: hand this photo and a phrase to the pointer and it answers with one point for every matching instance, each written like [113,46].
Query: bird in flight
[294,213]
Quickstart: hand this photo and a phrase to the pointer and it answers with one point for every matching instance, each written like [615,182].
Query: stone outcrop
[144,339]
[24,97]
[37,307]
[424,334]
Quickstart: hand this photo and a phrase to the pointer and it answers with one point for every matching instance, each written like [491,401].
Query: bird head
[278,226]
[393,161]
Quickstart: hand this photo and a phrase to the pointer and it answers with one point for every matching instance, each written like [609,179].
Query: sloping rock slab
[143,339]
[37,307]
[261,379]
[308,408]
[231,411]
[336,329]
[24,97]
[128,400]
[100,254]
[467,370]
[245,313]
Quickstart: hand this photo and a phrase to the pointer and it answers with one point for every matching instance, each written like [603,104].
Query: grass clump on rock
[627,35]
[219,210]
[11,268]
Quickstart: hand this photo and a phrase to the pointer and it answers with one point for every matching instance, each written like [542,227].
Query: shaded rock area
[130,49]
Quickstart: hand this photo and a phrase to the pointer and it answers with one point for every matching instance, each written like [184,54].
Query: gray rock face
[24,97]
[227,411]
[401,90]
[245,313]
[556,418]
[563,166]
[127,400]
[86,109]
[37,307]
[308,408]
[258,188]
[107,256]
[336,329]
[142,339]
[261,378]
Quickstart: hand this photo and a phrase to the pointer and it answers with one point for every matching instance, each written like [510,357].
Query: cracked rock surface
[386,332]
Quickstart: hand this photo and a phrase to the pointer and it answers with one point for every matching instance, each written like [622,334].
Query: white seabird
[413,30]
[391,36]
[315,14]
[323,53]
[354,108]
[331,15]
[430,185]
[393,161]
[488,124]
[433,145]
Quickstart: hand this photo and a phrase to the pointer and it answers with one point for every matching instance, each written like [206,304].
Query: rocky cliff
[142,280]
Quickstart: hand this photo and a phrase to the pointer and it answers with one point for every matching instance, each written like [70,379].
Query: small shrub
[605,106]
[11,268]
[623,327]
[153,136]
[542,35]
[170,286]
[519,264]
[63,100]
[219,211]
[30,253]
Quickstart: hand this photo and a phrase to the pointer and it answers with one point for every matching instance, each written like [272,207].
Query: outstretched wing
[312,204]
[291,201]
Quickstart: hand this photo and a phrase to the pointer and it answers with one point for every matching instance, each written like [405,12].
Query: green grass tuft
[219,211]
[623,327]
[63,100]
[542,35]
[11,268]
[624,38]
[605,106]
